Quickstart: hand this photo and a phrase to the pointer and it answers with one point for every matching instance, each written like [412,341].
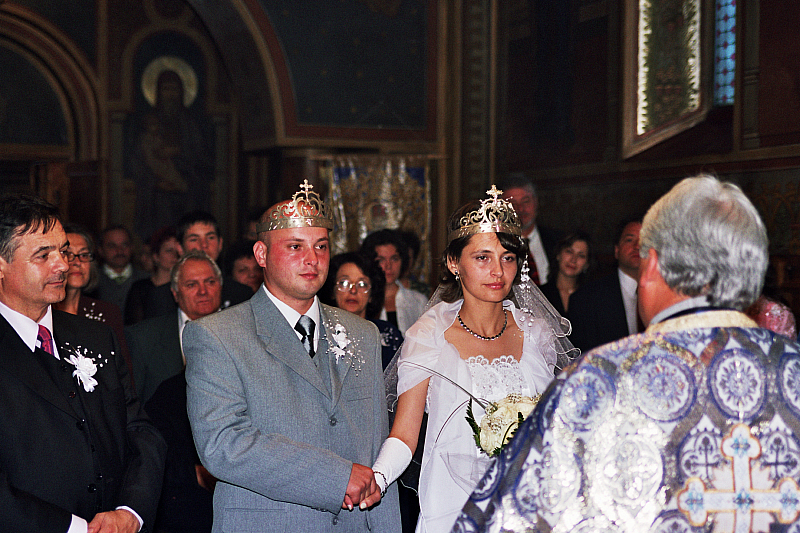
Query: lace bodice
[496,379]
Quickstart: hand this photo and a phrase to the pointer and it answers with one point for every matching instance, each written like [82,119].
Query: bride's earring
[456,275]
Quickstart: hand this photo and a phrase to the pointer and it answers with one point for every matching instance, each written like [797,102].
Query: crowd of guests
[515,304]
[148,297]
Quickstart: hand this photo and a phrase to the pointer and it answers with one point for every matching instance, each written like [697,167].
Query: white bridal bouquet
[501,420]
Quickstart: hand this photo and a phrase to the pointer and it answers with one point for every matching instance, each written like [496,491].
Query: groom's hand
[360,486]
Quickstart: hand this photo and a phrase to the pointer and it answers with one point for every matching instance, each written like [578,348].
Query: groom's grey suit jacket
[278,432]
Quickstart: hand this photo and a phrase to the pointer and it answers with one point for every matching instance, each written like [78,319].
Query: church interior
[132,111]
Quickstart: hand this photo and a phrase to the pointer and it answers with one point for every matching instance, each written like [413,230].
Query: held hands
[362,490]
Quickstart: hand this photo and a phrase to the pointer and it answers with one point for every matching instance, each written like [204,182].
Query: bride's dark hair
[450,287]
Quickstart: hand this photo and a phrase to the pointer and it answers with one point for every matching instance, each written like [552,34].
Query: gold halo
[183,69]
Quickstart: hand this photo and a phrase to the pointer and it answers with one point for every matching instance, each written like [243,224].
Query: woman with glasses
[82,278]
[356,284]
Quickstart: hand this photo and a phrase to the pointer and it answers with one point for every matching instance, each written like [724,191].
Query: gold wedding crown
[494,215]
[305,210]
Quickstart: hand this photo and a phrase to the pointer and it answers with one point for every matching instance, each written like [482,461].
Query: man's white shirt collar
[183,319]
[27,329]
[293,316]
[629,286]
[126,273]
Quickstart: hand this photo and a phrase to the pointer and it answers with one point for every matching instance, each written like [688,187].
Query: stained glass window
[724,52]
[665,69]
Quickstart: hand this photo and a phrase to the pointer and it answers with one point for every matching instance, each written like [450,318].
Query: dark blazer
[550,238]
[155,348]
[145,300]
[64,450]
[185,506]
[550,291]
[597,313]
[109,290]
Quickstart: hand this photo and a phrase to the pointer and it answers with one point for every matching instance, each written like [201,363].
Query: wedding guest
[401,306]
[242,265]
[572,263]
[198,230]
[356,284]
[520,190]
[117,274]
[151,297]
[82,278]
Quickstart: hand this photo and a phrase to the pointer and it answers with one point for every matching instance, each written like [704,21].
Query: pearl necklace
[481,337]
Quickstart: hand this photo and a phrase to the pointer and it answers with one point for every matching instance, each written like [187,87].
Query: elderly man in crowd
[155,343]
[692,425]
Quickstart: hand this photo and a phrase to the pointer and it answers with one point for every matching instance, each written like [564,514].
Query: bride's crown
[494,215]
[305,210]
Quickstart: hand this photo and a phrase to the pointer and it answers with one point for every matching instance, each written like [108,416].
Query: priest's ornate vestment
[691,426]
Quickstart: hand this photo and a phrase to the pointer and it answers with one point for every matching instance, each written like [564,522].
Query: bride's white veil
[534,305]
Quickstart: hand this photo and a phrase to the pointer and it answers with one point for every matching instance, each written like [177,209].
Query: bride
[488,330]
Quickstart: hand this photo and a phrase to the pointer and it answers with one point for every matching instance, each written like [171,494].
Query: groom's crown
[494,215]
[305,210]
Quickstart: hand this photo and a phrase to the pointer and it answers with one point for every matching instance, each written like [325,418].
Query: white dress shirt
[629,287]
[293,316]
[539,254]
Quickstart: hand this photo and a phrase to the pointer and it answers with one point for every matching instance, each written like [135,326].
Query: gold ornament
[494,215]
[305,210]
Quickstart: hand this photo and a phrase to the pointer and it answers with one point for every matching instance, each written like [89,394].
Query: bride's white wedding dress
[452,464]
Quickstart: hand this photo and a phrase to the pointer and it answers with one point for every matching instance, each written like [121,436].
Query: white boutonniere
[340,337]
[85,367]
[345,349]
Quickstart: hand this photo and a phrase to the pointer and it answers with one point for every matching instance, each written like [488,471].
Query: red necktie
[533,271]
[45,339]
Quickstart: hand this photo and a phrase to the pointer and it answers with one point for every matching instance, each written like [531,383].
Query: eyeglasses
[344,285]
[85,257]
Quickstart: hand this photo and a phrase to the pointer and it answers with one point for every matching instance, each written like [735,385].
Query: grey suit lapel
[281,342]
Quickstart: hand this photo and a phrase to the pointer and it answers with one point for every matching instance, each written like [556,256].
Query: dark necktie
[305,327]
[533,271]
[45,339]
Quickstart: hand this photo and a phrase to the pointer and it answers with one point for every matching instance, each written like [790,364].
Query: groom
[75,447]
[286,396]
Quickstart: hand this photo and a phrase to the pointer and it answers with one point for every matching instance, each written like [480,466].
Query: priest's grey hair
[710,241]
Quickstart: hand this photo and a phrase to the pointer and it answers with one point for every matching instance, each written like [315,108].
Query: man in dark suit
[155,343]
[521,192]
[604,310]
[76,446]
[117,275]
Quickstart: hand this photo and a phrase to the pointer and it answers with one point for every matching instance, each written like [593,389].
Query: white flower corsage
[340,337]
[85,368]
